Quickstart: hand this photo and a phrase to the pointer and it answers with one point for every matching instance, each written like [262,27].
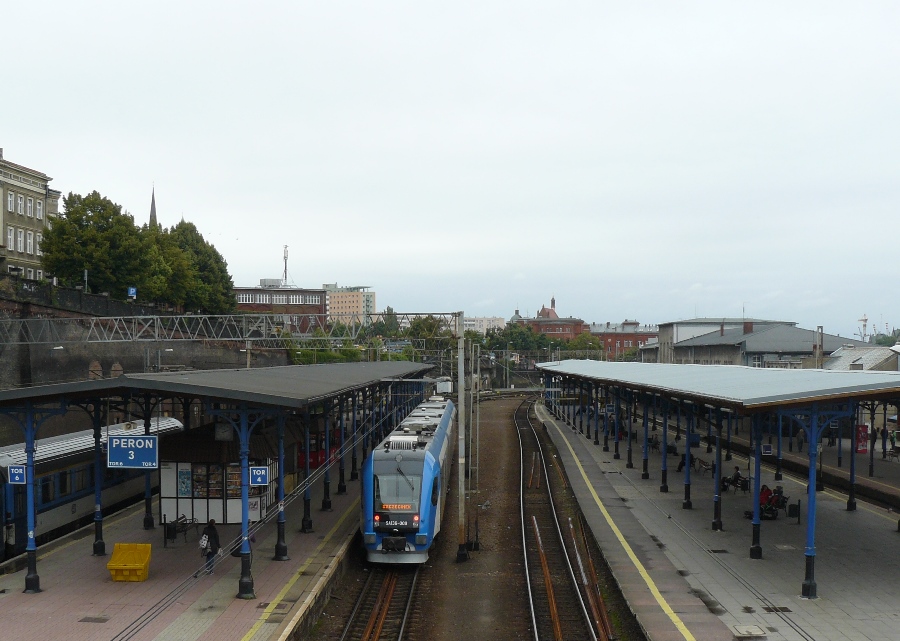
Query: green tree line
[170,267]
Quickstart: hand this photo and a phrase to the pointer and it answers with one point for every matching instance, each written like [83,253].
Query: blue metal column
[884,431]
[871,439]
[717,477]
[99,418]
[617,426]
[281,551]
[709,422]
[686,504]
[664,469]
[778,476]
[605,420]
[808,589]
[645,472]
[147,408]
[596,392]
[342,484]
[728,439]
[628,429]
[306,524]
[326,494]
[756,435]
[354,472]
[851,496]
[245,583]
[581,409]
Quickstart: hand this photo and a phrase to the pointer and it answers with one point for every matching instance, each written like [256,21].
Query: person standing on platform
[212,544]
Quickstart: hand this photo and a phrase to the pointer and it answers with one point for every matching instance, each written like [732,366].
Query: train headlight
[421,539]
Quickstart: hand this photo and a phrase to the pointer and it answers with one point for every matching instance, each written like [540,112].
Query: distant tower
[553,302]
[284,277]
[153,208]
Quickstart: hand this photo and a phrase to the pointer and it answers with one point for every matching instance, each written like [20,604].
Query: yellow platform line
[660,599]
[352,509]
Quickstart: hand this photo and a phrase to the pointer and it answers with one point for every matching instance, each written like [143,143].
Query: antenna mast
[284,277]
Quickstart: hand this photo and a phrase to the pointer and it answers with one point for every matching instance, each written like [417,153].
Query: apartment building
[349,304]
[28,207]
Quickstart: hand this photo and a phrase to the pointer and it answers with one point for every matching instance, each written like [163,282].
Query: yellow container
[130,562]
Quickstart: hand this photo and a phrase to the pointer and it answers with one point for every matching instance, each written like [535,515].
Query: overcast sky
[644,160]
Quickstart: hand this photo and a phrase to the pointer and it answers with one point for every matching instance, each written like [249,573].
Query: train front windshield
[398,489]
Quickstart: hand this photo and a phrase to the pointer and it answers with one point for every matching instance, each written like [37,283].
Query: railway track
[382,611]
[562,584]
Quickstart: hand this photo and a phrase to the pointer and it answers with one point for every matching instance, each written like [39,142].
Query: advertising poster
[862,439]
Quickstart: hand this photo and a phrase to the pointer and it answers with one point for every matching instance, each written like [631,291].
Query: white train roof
[58,447]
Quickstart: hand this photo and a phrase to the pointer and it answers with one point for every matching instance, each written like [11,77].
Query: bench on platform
[179,526]
[893,454]
[703,466]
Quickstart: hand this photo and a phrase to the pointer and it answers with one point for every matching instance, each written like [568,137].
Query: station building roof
[742,389]
[292,386]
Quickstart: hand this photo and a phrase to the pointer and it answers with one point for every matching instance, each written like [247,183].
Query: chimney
[748,327]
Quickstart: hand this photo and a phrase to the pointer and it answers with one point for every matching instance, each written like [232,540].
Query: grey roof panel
[291,386]
[736,387]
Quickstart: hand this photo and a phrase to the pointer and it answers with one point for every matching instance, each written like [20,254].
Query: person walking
[212,544]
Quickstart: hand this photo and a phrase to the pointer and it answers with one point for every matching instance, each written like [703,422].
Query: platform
[685,581]
[79,600]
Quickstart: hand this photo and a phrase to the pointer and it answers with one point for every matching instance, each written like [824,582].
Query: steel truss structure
[262,331]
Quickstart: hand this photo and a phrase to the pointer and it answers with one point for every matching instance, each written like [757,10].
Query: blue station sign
[139,451]
[259,476]
[16,474]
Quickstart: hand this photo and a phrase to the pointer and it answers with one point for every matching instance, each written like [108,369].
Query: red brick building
[618,338]
[302,309]
[549,323]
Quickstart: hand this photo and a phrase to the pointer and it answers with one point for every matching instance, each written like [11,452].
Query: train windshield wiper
[411,486]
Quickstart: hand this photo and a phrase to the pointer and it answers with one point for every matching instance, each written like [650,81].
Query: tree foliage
[174,267]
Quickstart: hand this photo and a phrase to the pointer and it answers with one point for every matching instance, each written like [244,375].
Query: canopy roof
[742,389]
[289,387]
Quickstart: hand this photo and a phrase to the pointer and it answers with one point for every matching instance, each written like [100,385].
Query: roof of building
[769,339]
[742,389]
[292,386]
[727,321]
[859,357]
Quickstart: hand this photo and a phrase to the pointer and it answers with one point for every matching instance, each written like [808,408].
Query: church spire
[153,208]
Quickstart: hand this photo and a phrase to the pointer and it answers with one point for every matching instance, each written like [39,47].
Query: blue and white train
[64,484]
[404,485]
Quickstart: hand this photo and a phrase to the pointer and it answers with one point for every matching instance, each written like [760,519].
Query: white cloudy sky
[646,160]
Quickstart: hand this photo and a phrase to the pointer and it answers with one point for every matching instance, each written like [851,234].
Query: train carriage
[404,484]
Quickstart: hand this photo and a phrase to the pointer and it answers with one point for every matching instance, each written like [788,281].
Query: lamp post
[507,365]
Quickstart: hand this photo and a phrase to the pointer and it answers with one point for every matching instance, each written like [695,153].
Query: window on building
[10,201]
[295,299]
[20,240]
[40,274]
[10,237]
[262,298]
[30,274]
[279,299]
[756,361]
[29,208]
[29,242]
[40,210]
[20,204]
[313,299]
[245,298]
[37,243]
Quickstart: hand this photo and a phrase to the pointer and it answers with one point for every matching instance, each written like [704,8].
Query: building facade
[549,323]
[482,324]
[677,331]
[303,310]
[28,207]
[619,338]
[351,304]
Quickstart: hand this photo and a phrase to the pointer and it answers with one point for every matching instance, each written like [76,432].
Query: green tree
[213,290]
[94,234]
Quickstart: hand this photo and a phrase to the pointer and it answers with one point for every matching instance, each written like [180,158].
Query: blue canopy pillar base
[32,578]
[686,504]
[281,551]
[756,548]
[99,545]
[245,584]
[645,473]
[717,517]
[851,498]
[306,524]
[664,477]
[808,591]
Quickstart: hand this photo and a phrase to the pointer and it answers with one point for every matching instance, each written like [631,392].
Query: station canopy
[290,387]
[741,389]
